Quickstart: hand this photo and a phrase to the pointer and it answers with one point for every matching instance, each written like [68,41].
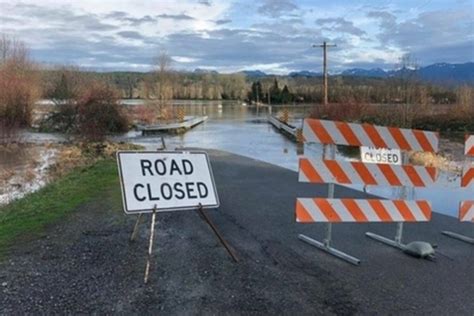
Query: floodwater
[23,169]
[230,127]
[244,130]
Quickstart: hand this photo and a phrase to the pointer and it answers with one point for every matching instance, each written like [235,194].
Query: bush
[434,118]
[348,111]
[99,112]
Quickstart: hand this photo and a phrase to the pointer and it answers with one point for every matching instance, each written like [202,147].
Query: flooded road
[244,130]
[231,127]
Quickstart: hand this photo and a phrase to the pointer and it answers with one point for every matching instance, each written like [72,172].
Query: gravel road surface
[86,263]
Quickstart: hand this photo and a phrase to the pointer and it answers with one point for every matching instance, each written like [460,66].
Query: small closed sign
[380,155]
[166,181]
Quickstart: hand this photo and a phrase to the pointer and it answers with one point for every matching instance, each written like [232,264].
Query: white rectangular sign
[171,181]
[381,155]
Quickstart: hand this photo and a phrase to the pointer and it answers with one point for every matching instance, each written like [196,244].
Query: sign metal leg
[150,246]
[218,234]
[135,228]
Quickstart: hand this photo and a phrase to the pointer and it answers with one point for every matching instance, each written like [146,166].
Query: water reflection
[234,128]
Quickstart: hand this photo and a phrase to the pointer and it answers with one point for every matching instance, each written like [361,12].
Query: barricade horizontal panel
[351,134]
[469,146]
[355,172]
[310,210]
[467,177]
[466,211]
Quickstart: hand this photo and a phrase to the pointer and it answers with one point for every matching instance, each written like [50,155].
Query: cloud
[181,16]
[141,20]
[230,36]
[205,2]
[340,25]
[116,15]
[237,49]
[277,8]
[433,36]
[222,21]
[130,34]
[184,59]
[59,16]
[387,23]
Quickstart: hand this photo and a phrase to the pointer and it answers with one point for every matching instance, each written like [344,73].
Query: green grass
[31,214]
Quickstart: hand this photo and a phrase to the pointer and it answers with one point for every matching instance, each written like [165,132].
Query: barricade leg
[329,151]
[397,242]
[469,240]
[326,246]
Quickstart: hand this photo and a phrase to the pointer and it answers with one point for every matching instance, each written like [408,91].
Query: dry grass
[428,159]
[446,119]
[70,157]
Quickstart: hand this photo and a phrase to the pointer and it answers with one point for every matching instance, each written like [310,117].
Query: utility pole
[325,69]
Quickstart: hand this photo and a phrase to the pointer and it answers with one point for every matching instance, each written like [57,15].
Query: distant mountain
[359,72]
[254,73]
[448,73]
[204,71]
[441,73]
[304,73]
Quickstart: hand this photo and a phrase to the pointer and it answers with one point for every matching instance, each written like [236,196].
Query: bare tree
[464,97]
[408,75]
[163,84]
[163,76]
[19,86]
[13,50]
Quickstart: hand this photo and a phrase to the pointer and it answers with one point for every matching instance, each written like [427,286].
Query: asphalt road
[87,265]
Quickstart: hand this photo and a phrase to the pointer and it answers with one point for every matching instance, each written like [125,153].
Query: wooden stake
[150,247]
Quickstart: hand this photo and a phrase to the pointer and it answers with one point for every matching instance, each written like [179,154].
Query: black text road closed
[172,181]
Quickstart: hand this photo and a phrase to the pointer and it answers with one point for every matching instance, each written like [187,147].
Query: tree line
[273,89]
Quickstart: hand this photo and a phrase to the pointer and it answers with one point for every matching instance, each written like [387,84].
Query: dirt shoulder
[86,264]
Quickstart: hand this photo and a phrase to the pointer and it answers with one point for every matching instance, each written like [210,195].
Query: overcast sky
[271,35]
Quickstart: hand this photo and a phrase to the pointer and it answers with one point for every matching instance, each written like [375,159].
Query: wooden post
[150,246]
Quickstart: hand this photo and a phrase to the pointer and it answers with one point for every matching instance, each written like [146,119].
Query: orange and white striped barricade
[466,208]
[328,170]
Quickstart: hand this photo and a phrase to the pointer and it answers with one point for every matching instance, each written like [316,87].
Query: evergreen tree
[286,96]
[275,93]
[256,93]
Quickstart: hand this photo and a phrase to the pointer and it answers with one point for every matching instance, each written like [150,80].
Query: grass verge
[31,214]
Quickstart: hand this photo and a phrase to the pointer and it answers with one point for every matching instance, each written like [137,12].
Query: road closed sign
[171,181]
[380,155]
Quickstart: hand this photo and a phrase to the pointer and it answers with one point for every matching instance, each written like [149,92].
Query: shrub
[348,111]
[435,118]
[99,112]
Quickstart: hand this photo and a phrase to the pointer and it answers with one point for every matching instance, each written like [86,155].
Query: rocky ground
[86,263]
